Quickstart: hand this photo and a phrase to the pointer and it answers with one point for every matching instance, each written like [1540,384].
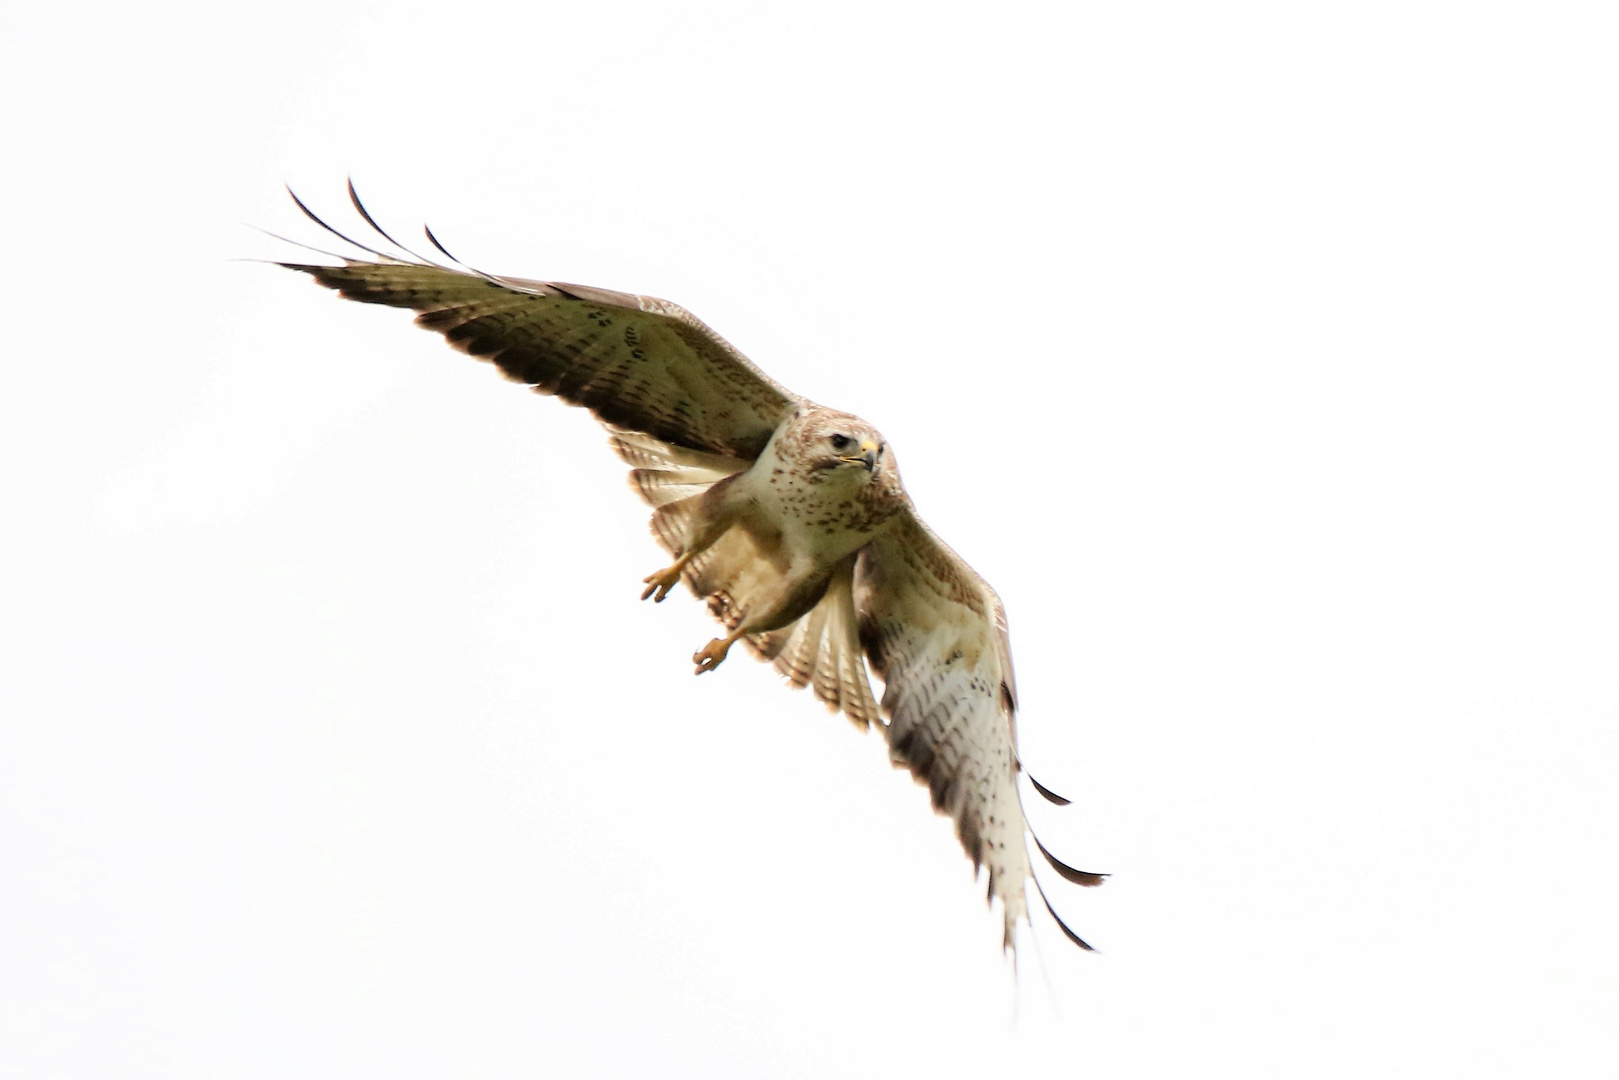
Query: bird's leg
[661,581]
[716,511]
[710,656]
[772,608]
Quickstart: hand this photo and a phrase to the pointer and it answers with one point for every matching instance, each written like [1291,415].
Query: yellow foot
[664,580]
[710,656]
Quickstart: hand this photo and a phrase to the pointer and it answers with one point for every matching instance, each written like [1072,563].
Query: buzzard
[787,517]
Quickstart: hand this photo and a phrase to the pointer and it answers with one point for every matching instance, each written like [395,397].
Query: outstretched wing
[936,634]
[635,361]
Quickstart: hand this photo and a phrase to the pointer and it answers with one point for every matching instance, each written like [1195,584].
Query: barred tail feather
[822,650]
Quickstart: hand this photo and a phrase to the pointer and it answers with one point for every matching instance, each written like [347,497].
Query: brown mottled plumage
[788,518]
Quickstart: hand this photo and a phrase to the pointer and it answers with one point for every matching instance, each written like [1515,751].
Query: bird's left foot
[710,656]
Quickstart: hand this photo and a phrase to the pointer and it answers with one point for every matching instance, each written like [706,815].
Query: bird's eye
[841,442]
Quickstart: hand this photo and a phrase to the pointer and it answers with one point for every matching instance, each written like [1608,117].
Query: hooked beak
[869,451]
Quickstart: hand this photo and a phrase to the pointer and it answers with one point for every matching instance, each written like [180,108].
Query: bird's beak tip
[869,452]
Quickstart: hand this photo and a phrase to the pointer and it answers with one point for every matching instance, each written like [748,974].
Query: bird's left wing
[637,362]
[936,634]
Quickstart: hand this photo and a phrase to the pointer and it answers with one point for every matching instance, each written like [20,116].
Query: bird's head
[831,441]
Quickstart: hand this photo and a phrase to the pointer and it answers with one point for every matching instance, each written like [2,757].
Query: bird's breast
[820,515]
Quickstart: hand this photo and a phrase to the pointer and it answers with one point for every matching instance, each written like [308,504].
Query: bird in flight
[788,518]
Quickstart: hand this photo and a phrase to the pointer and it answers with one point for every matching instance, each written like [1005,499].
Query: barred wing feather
[935,632]
[637,362]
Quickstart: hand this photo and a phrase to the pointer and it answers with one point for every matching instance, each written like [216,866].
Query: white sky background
[1261,355]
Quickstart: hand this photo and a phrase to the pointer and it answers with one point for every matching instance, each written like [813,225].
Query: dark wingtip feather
[354,197]
[1045,792]
[442,250]
[359,208]
[312,216]
[1067,932]
[300,204]
[1078,877]
[492,279]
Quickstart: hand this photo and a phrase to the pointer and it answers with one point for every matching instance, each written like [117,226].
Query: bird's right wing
[635,361]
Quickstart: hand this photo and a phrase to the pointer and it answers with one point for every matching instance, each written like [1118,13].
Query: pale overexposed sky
[1262,355]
